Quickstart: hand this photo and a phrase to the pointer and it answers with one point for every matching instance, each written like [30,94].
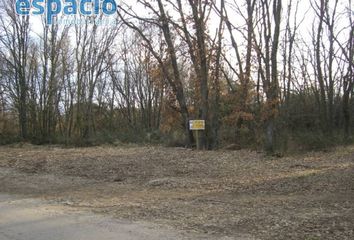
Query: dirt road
[33,219]
[222,194]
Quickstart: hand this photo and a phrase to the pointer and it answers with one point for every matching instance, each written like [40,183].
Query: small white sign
[197,124]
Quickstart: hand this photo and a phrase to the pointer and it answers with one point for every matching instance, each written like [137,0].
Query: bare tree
[174,79]
[15,46]
[267,53]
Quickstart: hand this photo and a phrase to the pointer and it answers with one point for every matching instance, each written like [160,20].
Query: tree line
[265,73]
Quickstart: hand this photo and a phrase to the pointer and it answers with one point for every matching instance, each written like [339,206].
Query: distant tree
[15,44]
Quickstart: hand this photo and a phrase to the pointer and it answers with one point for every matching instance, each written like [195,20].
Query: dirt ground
[221,193]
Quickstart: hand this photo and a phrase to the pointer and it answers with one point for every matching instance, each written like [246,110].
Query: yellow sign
[196,124]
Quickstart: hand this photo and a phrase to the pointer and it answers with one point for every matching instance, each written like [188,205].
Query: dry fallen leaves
[309,196]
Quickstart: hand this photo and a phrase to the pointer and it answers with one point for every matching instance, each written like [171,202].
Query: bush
[8,130]
[315,140]
[174,139]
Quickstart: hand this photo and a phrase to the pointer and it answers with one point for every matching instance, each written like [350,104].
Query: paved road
[32,219]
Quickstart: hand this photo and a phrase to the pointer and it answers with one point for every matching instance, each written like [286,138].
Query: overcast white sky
[305,13]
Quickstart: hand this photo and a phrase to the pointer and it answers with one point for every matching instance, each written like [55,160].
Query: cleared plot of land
[221,193]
